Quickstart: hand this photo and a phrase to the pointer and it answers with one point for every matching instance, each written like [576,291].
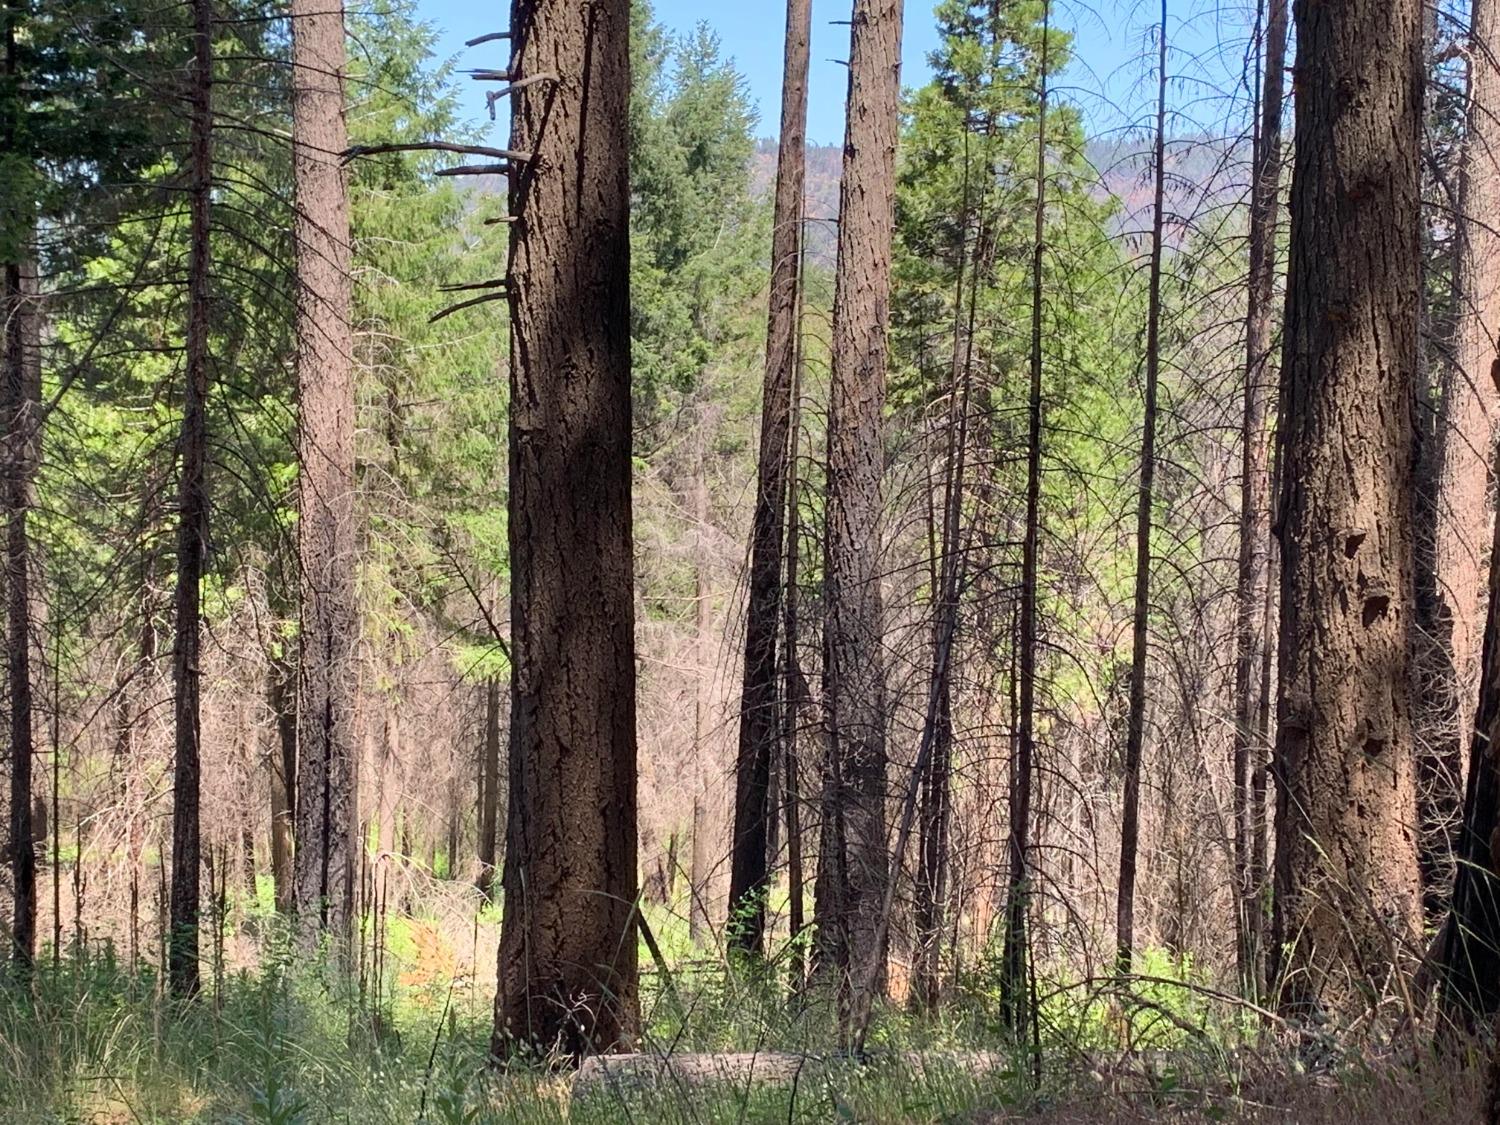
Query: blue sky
[1111,39]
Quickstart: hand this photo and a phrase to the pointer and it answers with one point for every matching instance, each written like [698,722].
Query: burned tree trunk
[567,962]
[1135,729]
[326,813]
[1250,621]
[20,392]
[1015,993]
[21,408]
[758,719]
[854,688]
[192,526]
[1347,889]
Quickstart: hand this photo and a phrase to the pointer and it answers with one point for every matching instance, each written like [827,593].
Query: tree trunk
[489,786]
[703,660]
[283,762]
[327,812]
[567,962]
[1471,953]
[1464,438]
[1255,487]
[1015,993]
[387,787]
[1347,889]
[192,528]
[793,684]
[1135,730]
[699,861]
[748,876]
[854,688]
[21,408]
[19,292]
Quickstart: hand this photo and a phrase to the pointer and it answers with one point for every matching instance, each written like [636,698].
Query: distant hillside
[1201,173]
[821,196]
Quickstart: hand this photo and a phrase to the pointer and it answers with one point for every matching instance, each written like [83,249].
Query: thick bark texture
[567,962]
[327,755]
[758,719]
[1135,728]
[1347,889]
[192,525]
[854,689]
[1250,622]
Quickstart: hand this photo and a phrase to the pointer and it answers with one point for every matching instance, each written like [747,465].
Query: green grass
[293,1043]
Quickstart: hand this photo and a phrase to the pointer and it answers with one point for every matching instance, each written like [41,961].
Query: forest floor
[278,1041]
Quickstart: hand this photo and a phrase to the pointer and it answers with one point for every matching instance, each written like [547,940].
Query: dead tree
[758,718]
[1135,730]
[192,523]
[1250,621]
[1015,993]
[20,404]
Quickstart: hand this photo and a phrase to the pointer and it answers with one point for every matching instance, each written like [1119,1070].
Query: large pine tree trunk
[327,755]
[854,668]
[192,525]
[758,718]
[1347,889]
[1471,953]
[567,962]
[1135,728]
[1255,489]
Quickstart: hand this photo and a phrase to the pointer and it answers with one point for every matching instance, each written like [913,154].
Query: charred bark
[192,526]
[854,688]
[1135,729]
[327,814]
[567,962]
[1015,990]
[21,409]
[1250,622]
[753,814]
[1347,889]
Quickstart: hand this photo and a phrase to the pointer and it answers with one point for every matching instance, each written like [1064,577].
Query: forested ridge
[532,592]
